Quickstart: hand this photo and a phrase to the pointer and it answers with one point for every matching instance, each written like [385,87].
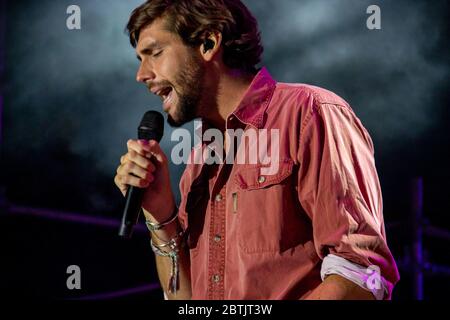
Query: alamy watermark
[373,281]
[74,280]
[73,22]
[252,146]
[374,20]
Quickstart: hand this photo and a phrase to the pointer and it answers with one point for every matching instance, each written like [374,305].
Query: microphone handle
[132,208]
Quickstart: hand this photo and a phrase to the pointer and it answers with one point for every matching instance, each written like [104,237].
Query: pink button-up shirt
[257,236]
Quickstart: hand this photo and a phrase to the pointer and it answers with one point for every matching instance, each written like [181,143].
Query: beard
[188,88]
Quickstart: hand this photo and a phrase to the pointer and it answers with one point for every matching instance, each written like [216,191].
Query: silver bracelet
[172,243]
[152,226]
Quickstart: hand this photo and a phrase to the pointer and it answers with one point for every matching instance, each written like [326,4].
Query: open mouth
[165,93]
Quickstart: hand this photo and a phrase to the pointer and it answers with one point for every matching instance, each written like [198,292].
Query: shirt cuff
[367,278]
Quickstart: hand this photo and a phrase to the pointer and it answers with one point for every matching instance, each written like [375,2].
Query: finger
[156,151]
[138,147]
[137,182]
[134,169]
[140,160]
[122,187]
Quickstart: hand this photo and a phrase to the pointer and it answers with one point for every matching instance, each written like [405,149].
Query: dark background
[70,103]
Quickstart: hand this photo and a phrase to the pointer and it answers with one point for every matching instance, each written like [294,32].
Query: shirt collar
[256,99]
[252,107]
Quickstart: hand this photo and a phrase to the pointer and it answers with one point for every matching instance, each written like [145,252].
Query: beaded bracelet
[174,257]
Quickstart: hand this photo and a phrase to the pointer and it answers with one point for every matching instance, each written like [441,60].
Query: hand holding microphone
[143,176]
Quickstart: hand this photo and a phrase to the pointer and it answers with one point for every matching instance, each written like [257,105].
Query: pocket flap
[250,177]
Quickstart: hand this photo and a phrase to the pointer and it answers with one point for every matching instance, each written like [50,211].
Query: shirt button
[216,278]
[217,238]
[261,179]
[218,197]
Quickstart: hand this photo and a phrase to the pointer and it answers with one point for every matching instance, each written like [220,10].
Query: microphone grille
[152,126]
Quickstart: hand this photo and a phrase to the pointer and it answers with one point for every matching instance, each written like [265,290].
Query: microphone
[151,128]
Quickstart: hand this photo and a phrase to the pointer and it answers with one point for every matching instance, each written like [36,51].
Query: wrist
[166,234]
[155,226]
[160,215]
[165,230]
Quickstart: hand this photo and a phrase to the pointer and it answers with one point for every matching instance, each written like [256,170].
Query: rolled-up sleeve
[369,279]
[338,188]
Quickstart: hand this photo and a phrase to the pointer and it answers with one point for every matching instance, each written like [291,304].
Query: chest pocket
[266,213]
[251,177]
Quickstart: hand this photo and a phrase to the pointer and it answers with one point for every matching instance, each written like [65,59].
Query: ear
[211,45]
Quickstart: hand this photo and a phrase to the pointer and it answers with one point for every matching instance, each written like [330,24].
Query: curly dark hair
[192,20]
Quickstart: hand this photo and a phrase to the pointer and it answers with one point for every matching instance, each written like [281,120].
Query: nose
[144,73]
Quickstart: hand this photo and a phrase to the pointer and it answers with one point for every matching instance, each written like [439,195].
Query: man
[313,229]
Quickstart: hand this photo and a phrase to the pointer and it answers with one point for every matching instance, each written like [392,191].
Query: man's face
[171,70]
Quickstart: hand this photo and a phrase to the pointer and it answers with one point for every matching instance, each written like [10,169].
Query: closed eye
[157,54]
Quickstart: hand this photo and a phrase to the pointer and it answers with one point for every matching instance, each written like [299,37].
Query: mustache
[159,84]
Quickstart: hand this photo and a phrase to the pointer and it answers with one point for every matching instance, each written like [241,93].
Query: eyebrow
[148,49]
